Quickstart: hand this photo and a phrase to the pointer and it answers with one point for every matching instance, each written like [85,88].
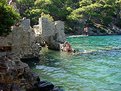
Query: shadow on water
[31,61]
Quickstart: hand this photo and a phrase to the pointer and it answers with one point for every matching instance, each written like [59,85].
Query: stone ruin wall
[49,28]
[21,39]
[24,40]
[52,32]
[59,29]
[46,27]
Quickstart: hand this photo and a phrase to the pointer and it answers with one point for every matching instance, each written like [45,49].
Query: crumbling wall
[59,31]
[51,32]
[22,40]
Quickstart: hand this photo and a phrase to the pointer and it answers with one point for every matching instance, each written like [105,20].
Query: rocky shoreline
[26,42]
[98,31]
[17,76]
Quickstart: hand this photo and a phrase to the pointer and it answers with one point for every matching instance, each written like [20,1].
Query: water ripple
[96,68]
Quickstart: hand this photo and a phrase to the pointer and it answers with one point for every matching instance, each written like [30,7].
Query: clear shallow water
[97,66]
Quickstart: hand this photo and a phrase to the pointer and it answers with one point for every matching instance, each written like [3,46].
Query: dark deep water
[97,66]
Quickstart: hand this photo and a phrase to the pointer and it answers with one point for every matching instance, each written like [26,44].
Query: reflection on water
[97,66]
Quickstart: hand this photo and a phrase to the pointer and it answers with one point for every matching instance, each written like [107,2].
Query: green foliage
[103,12]
[53,7]
[85,2]
[24,5]
[8,17]
[98,10]
[3,1]
[58,9]
[50,18]
[33,15]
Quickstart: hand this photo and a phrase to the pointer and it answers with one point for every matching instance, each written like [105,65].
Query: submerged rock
[45,86]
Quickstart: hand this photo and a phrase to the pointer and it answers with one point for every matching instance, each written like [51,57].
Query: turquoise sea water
[96,66]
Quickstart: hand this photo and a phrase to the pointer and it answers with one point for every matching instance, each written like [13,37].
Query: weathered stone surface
[25,24]
[46,27]
[15,74]
[27,41]
[22,39]
[51,32]
[59,31]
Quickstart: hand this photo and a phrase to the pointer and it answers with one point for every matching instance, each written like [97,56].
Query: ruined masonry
[50,32]
[23,42]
